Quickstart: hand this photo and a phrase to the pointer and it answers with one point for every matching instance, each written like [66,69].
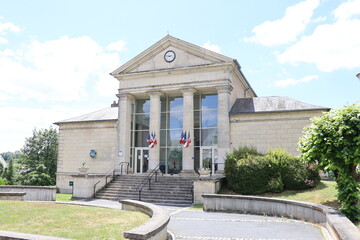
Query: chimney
[114,104]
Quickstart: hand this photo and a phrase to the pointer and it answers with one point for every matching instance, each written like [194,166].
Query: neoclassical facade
[180,107]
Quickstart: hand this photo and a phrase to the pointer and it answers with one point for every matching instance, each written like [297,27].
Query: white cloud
[320,19]
[347,10]
[287,28]
[292,82]
[330,47]
[211,47]
[5,28]
[56,70]
[20,121]
[117,46]
[8,27]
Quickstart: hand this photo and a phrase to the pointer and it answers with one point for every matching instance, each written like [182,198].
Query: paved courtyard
[208,225]
[196,224]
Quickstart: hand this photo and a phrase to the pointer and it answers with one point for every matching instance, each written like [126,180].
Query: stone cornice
[197,85]
[164,72]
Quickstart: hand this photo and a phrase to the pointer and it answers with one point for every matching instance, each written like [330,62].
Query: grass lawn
[324,193]
[63,197]
[67,221]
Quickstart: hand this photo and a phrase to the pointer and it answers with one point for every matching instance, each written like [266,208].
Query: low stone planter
[14,196]
[155,228]
[204,172]
[32,193]
[83,169]
[336,223]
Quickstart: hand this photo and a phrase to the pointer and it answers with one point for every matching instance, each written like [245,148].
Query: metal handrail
[108,174]
[121,167]
[106,179]
[147,178]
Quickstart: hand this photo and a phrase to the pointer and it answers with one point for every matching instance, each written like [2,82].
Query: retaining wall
[336,223]
[33,193]
[155,228]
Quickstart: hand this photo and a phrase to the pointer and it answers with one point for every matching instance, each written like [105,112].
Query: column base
[188,173]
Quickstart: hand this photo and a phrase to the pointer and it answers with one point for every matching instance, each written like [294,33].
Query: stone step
[167,189]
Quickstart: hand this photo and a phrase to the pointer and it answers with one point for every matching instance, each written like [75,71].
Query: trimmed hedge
[249,172]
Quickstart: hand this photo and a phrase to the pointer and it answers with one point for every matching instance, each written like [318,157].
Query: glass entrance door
[208,158]
[141,163]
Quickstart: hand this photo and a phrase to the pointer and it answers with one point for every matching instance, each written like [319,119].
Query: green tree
[39,158]
[9,173]
[1,169]
[333,141]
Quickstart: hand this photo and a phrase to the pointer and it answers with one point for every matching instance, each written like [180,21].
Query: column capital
[153,93]
[224,88]
[125,95]
[188,90]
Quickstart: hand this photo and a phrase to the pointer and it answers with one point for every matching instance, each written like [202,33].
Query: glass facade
[205,124]
[205,137]
[140,122]
[171,126]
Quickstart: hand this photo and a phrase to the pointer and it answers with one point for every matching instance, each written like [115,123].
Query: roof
[106,114]
[161,45]
[271,104]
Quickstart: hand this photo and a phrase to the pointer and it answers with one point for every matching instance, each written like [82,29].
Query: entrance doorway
[141,163]
[209,158]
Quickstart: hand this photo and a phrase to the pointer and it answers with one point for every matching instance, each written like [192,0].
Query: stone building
[176,92]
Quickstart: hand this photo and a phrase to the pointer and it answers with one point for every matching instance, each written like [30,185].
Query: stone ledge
[155,228]
[14,196]
[26,187]
[7,235]
[336,223]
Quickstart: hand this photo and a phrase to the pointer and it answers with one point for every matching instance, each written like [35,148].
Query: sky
[56,56]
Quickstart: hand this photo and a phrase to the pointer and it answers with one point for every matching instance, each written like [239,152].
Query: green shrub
[275,184]
[248,172]
[3,181]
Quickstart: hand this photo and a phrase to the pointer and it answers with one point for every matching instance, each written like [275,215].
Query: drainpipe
[245,91]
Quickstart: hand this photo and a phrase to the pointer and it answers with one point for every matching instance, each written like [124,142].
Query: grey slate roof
[271,104]
[106,114]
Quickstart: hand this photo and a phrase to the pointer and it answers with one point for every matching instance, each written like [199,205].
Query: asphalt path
[194,224]
[189,224]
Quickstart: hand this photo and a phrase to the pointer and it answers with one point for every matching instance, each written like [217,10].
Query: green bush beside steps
[249,172]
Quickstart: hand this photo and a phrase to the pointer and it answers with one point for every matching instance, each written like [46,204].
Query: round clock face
[169,56]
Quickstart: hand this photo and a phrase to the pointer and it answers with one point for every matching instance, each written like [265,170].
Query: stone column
[155,117]
[223,125]
[124,127]
[188,127]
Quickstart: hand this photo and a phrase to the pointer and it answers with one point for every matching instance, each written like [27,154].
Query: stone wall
[269,130]
[76,140]
[336,223]
[32,193]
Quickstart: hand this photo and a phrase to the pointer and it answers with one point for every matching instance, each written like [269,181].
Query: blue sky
[55,56]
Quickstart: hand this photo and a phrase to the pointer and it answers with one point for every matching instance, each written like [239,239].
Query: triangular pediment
[185,55]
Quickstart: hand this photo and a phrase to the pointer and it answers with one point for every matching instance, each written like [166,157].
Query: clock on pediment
[169,56]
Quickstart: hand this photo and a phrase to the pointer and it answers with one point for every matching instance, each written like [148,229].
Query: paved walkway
[196,224]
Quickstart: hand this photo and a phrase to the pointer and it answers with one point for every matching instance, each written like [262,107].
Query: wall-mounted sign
[92,153]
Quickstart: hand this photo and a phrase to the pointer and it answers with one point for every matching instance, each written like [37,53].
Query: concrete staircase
[171,190]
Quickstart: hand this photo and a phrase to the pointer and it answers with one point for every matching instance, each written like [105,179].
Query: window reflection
[208,137]
[176,104]
[209,118]
[143,106]
[209,101]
